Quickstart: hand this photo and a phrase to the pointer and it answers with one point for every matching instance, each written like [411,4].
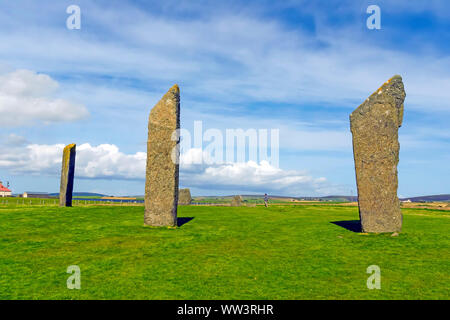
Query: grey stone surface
[184,197]
[161,185]
[374,126]
[67,175]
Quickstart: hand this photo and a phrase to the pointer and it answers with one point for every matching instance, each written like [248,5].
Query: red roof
[4,189]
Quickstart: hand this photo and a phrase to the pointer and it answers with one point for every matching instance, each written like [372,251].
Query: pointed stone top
[391,92]
[388,83]
[175,89]
[70,146]
[168,106]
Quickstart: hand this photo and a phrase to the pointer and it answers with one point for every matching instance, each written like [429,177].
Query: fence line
[10,201]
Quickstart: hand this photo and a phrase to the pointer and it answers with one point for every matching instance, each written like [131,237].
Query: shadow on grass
[351,225]
[181,221]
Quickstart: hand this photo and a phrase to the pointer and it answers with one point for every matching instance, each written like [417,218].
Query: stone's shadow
[351,225]
[181,221]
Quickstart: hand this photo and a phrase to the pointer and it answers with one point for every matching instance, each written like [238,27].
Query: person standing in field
[266,200]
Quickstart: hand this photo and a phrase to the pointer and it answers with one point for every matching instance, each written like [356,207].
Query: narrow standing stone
[184,197]
[67,175]
[161,184]
[374,125]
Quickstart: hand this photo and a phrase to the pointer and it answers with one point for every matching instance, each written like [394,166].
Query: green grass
[282,252]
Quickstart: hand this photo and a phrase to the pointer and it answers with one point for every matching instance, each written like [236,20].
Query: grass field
[283,252]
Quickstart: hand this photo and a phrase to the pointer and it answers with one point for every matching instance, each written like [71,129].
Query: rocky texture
[184,197]
[237,201]
[374,125]
[161,184]
[67,175]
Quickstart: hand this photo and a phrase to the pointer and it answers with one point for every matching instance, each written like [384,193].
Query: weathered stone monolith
[184,197]
[374,126]
[67,175]
[237,201]
[161,185]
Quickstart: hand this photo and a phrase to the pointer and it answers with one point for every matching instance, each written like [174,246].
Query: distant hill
[327,198]
[438,197]
[340,198]
[272,196]
[81,194]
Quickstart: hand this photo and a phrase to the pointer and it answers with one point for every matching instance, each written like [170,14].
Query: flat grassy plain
[280,252]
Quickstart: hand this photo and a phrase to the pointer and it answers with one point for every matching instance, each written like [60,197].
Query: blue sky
[298,66]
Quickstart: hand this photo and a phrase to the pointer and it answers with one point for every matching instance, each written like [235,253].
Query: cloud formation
[197,171]
[233,57]
[106,161]
[26,97]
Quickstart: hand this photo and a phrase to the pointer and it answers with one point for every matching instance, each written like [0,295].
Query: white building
[4,192]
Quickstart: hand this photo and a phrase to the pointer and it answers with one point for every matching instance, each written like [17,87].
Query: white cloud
[105,161]
[32,159]
[248,176]
[253,177]
[26,97]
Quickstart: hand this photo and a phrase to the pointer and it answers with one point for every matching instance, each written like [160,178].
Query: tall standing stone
[161,184]
[67,175]
[184,197]
[374,125]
